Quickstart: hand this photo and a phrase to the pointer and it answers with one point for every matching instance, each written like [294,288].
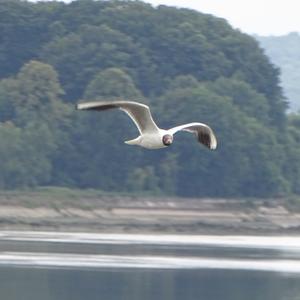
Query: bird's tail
[135,141]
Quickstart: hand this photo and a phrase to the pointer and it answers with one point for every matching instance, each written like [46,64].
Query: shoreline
[125,214]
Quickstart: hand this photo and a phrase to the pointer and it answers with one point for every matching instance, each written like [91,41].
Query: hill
[187,65]
[284,52]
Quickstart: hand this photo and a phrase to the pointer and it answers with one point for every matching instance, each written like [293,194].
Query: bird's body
[151,136]
[150,140]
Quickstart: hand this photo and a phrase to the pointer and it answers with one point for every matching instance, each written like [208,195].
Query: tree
[100,136]
[241,165]
[242,95]
[79,56]
[39,95]
[13,171]
[25,156]
[188,66]
[24,28]
[112,83]
[143,180]
[8,93]
[34,119]
[292,151]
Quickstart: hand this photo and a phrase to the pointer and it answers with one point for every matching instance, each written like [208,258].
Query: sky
[262,17]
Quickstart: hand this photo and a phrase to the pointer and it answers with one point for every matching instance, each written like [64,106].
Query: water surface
[61,266]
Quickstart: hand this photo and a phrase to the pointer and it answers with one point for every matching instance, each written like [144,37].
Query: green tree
[39,95]
[79,56]
[244,96]
[143,180]
[99,137]
[188,66]
[112,83]
[24,28]
[292,151]
[24,155]
[8,93]
[234,168]
[168,170]
[38,120]
[13,171]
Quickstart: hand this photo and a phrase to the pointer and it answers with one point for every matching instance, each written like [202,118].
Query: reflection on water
[81,261]
[44,266]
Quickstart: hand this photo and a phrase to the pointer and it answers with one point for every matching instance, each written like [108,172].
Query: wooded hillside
[186,65]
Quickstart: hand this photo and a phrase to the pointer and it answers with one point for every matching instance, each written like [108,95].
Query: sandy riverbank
[147,214]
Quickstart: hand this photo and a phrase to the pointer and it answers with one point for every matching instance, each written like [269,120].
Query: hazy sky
[264,17]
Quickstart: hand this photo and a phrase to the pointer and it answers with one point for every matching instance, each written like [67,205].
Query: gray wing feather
[138,112]
[203,132]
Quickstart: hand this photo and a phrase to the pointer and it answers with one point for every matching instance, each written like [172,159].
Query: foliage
[33,129]
[186,65]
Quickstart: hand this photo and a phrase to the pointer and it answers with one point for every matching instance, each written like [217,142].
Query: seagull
[151,136]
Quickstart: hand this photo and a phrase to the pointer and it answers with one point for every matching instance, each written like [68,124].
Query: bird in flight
[151,136]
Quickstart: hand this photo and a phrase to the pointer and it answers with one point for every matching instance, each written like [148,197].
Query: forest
[188,66]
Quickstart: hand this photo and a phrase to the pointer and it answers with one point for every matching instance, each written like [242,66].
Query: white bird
[151,136]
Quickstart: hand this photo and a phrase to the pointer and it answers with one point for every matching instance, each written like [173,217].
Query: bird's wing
[204,133]
[138,112]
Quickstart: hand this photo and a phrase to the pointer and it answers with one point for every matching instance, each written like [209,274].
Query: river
[71,266]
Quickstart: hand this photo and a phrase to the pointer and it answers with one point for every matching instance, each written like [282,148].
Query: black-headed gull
[151,136]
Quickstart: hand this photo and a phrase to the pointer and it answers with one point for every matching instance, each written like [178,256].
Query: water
[61,266]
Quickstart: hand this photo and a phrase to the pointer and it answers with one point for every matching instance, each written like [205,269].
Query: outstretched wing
[138,112]
[204,133]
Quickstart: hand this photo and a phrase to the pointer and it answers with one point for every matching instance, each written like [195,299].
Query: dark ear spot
[167,139]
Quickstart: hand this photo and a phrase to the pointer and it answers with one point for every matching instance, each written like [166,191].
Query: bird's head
[167,139]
